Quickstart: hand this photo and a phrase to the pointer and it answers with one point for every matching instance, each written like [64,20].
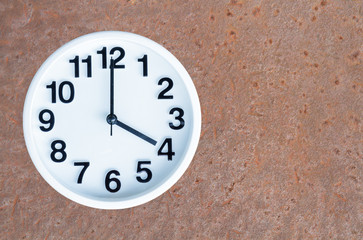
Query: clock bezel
[155,190]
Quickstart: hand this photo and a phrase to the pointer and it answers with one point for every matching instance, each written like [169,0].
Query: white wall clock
[111,120]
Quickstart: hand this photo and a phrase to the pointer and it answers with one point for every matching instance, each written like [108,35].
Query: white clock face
[111,120]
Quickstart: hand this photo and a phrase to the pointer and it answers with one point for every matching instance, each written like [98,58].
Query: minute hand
[112,74]
[135,132]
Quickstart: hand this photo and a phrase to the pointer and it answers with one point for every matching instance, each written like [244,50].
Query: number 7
[85,166]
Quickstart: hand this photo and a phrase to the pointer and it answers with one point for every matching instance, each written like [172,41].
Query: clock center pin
[111,119]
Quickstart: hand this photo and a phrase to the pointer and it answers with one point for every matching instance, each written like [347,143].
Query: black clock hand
[135,132]
[111,117]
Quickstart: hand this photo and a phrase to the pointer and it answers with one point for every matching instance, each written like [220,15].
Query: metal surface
[280,86]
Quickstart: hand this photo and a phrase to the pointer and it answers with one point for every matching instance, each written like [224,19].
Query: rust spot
[276,12]
[202,133]
[256,11]
[323,3]
[53,14]
[306,53]
[229,13]
[340,197]
[313,19]
[237,2]
[14,204]
[232,35]
[326,122]
[305,108]
[227,201]
[237,232]
[354,55]
[336,151]
[211,17]
[297,178]
[336,82]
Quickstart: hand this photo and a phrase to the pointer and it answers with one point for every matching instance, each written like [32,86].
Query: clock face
[111,120]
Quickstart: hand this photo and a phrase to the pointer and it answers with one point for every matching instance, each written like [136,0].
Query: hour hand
[112,119]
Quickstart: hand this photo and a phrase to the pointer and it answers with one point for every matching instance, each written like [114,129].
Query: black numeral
[144,65]
[87,60]
[71,91]
[109,180]
[169,152]
[58,154]
[75,60]
[144,169]
[114,50]
[179,118]
[85,165]
[104,57]
[167,89]
[119,58]
[62,98]
[53,90]
[48,120]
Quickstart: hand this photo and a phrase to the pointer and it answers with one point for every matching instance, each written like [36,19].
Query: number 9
[48,120]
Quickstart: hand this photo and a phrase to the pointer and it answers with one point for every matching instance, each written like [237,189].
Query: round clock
[111,120]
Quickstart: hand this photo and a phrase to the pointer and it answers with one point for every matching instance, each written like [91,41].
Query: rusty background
[280,86]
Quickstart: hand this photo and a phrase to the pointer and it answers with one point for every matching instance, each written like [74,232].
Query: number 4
[169,152]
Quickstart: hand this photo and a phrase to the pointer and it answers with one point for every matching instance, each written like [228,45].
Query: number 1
[144,65]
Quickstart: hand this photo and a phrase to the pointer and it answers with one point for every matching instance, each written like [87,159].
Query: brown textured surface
[280,85]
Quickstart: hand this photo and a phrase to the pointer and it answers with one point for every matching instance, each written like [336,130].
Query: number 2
[167,89]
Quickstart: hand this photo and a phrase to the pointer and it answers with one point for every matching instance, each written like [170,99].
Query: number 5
[148,172]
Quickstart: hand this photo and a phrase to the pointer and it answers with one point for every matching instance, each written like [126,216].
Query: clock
[111,120]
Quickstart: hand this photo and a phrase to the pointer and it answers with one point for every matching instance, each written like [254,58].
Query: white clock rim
[155,192]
